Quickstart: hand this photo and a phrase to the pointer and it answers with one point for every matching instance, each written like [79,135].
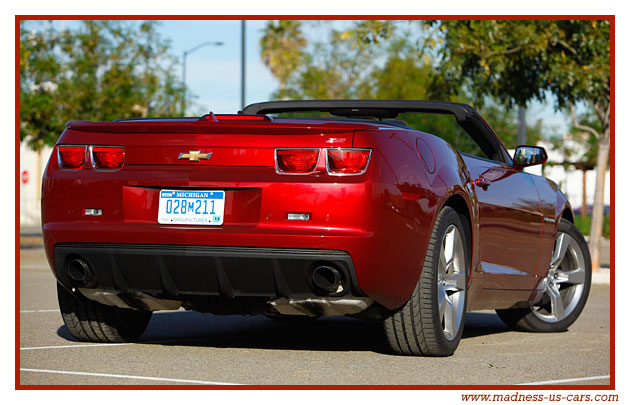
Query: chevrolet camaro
[302,209]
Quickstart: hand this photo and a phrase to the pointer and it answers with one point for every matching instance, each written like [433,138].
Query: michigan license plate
[191,207]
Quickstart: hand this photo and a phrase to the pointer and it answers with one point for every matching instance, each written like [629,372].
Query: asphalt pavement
[182,347]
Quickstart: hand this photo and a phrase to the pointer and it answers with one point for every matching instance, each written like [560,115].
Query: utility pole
[242,64]
[521,134]
[208,43]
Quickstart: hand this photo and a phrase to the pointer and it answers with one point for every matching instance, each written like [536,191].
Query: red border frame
[554,387]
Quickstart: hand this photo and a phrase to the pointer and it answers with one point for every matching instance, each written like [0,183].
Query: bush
[584,225]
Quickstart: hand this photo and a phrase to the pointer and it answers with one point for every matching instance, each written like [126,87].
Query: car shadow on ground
[328,334]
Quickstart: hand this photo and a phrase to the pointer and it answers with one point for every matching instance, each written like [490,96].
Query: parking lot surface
[182,347]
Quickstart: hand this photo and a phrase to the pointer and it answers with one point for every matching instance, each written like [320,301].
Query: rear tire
[90,321]
[566,287]
[431,323]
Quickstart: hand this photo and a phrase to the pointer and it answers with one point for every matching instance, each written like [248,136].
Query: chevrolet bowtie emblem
[195,155]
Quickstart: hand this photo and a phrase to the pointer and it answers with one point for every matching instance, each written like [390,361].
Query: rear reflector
[347,161]
[108,157]
[71,157]
[296,161]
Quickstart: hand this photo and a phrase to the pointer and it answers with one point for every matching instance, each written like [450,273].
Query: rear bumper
[220,280]
[229,272]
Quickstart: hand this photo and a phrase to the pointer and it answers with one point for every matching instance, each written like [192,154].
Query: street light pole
[191,50]
[242,64]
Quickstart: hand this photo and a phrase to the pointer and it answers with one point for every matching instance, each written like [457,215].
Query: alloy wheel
[564,284]
[451,282]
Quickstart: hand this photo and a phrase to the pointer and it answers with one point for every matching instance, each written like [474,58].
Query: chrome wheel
[451,282]
[565,282]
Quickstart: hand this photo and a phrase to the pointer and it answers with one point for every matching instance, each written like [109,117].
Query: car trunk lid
[225,142]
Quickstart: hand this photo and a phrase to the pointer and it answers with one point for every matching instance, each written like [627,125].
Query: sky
[213,73]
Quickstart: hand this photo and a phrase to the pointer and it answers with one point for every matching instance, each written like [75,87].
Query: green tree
[282,43]
[332,69]
[517,61]
[101,71]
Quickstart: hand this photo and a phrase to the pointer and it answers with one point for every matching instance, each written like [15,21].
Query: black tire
[90,321]
[525,319]
[417,328]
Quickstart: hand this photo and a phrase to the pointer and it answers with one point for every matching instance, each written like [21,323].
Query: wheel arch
[567,214]
[459,204]
[463,207]
[563,207]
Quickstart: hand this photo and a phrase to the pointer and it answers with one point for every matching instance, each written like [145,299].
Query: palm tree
[282,45]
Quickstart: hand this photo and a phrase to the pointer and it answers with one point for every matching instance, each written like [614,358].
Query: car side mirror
[529,156]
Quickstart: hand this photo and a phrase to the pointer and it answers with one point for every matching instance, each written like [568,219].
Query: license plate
[191,207]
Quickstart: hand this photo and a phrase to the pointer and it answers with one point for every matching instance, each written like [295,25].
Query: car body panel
[509,210]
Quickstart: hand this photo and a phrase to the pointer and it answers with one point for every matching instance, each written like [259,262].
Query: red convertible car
[282,211]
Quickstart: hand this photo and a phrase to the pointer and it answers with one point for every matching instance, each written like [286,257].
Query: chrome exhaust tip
[79,271]
[328,279]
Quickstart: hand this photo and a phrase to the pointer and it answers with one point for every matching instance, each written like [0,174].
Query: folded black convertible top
[362,108]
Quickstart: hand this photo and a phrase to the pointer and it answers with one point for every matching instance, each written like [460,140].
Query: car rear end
[223,214]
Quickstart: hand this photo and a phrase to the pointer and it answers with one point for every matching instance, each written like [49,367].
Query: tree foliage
[332,69]
[517,61]
[281,44]
[100,71]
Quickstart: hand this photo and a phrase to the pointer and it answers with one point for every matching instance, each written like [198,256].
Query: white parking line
[598,377]
[28,311]
[132,377]
[71,346]
[172,341]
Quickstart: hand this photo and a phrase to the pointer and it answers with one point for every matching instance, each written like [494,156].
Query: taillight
[108,157]
[240,117]
[347,161]
[296,161]
[71,157]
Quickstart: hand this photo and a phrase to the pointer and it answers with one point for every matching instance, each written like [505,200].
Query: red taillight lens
[296,161]
[71,157]
[108,157]
[346,161]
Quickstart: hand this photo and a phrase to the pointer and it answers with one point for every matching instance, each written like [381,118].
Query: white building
[30,183]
